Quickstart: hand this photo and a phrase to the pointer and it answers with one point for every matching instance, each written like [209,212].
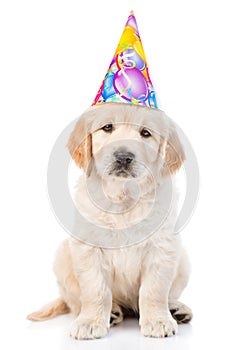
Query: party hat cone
[127,79]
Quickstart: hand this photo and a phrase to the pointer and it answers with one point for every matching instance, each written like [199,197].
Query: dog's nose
[124,158]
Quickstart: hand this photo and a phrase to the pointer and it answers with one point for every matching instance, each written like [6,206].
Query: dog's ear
[80,146]
[172,152]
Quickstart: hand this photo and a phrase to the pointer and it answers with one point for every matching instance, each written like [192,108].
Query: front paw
[88,329]
[159,328]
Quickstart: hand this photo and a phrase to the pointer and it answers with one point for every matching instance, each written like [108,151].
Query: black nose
[123,158]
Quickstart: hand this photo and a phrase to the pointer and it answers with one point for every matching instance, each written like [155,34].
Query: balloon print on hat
[131,59]
[108,89]
[131,84]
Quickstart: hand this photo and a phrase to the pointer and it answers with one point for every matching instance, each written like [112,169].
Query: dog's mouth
[122,170]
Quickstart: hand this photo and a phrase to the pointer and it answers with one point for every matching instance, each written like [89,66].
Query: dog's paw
[159,328]
[180,312]
[86,329]
[116,314]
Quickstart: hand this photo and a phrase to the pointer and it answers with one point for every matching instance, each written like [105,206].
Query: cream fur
[147,277]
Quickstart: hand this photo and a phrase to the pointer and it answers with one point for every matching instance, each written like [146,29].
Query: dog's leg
[93,320]
[180,312]
[155,317]
[68,285]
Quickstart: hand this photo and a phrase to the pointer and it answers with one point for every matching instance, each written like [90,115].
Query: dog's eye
[107,128]
[145,133]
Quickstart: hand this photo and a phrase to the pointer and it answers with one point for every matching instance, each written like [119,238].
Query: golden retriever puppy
[131,260]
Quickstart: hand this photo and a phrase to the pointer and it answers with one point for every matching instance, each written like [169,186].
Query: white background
[54,55]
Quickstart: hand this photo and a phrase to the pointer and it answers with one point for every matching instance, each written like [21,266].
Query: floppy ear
[173,154]
[80,146]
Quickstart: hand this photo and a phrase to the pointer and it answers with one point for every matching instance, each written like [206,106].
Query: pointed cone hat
[127,79]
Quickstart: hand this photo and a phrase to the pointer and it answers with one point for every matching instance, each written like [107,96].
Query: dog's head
[126,141]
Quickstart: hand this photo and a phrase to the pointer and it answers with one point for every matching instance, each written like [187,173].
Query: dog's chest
[126,275]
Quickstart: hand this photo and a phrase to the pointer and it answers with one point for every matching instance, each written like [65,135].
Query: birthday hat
[127,79]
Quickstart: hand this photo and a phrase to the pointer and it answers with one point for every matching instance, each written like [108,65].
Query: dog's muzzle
[123,163]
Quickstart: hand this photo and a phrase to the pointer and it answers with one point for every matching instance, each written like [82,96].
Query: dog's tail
[53,309]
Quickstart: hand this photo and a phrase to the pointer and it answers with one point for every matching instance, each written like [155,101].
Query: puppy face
[124,149]
[125,141]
